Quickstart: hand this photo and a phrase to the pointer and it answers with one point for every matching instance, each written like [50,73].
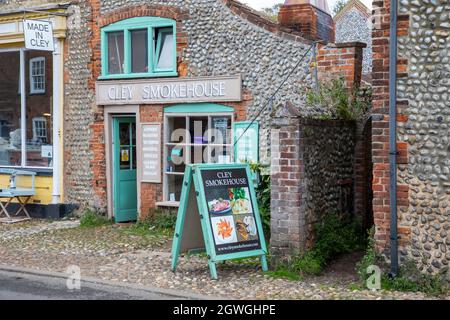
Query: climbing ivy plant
[338,102]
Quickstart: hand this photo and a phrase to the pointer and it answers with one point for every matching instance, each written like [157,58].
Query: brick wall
[345,60]
[341,60]
[308,20]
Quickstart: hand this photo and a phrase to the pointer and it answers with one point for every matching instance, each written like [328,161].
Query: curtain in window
[166,50]
[115,53]
[139,51]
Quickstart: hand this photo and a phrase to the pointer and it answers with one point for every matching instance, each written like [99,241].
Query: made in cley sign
[38,35]
[158,91]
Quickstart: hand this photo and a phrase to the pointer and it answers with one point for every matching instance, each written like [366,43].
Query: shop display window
[190,139]
[26,135]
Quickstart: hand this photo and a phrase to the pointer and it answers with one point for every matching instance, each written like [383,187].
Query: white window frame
[42,120]
[189,145]
[33,89]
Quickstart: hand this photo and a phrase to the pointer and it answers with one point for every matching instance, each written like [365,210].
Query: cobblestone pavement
[28,228]
[115,253]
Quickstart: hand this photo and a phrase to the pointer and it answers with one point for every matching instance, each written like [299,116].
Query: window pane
[139,51]
[221,130]
[220,154]
[115,52]
[165,49]
[37,78]
[175,185]
[198,129]
[124,134]
[10,136]
[39,147]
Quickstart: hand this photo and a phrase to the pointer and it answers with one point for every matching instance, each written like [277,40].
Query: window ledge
[139,75]
[42,172]
[169,204]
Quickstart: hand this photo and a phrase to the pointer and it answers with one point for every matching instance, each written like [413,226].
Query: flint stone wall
[425,90]
[354,26]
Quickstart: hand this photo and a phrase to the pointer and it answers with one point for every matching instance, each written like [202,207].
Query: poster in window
[150,152]
[246,139]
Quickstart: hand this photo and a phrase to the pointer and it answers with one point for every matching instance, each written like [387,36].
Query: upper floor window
[37,75]
[139,47]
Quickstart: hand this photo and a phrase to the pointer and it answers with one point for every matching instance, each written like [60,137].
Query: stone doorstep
[167,292]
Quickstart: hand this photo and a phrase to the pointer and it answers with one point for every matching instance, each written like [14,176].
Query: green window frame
[152,25]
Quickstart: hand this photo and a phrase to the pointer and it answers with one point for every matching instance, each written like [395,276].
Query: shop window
[139,47]
[194,138]
[37,75]
[25,118]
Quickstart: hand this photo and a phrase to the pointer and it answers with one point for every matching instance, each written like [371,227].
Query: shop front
[31,104]
[155,127]
[155,121]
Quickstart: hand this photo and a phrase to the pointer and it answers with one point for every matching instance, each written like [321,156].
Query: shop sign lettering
[205,89]
[38,35]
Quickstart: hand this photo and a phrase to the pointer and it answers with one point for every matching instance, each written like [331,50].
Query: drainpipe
[393,137]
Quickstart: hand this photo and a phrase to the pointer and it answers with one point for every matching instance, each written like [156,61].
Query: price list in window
[151,152]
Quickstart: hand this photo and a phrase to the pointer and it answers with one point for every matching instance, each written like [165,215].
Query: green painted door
[124,163]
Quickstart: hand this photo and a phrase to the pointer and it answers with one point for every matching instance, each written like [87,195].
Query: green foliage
[339,5]
[409,278]
[370,258]
[334,237]
[163,220]
[91,219]
[158,223]
[272,12]
[339,102]
[284,273]
[263,197]
[309,263]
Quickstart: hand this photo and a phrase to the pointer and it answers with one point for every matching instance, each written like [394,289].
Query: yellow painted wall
[43,187]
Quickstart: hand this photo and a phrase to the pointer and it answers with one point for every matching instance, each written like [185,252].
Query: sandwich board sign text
[38,35]
[219,202]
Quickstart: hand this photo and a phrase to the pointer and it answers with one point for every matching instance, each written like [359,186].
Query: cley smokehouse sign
[157,91]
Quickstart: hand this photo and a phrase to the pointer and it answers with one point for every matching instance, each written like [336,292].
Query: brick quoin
[380,131]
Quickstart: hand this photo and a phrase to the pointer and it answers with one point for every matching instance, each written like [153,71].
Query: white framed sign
[150,153]
[38,35]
